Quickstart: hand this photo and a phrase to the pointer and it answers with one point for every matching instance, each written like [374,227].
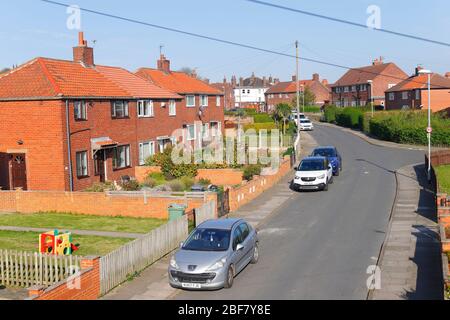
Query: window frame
[85,170]
[218,101]
[391,96]
[142,157]
[172,107]
[83,105]
[125,107]
[145,105]
[188,135]
[187,100]
[202,97]
[127,157]
[405,95]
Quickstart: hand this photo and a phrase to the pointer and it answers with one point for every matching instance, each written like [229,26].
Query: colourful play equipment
[53,242]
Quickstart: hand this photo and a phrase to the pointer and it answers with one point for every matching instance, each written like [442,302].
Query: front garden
[443,177]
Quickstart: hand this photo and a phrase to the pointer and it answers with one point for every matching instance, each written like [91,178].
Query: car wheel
[255,257]
[326,187]
[337,172]
[331,180]
[230,278]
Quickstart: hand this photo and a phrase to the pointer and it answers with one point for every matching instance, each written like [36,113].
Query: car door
[238,255]
[247,242]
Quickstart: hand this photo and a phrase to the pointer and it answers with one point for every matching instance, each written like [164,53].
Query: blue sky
[30,28]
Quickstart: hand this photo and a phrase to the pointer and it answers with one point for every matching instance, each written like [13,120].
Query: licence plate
[191,285]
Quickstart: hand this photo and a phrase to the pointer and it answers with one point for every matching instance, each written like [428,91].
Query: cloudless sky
[31,28]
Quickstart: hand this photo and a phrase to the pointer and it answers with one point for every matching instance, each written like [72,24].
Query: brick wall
[221,177]
[88,289]
[250,190]
[91,203]
[141,172]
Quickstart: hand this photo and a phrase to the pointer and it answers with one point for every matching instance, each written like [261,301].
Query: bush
[330,113]
[157,177]
[310,109]
[187,182]
[250,171]
[149,182]
[168,168]
[176,185]
[131,185]
[409,127]
[204,182]
[262,118]
[261,126]
[349,117]
[100,187]
[289,151]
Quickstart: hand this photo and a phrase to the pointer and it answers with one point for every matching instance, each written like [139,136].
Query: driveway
[319,245]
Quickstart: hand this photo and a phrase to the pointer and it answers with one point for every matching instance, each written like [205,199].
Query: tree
[4,70]
[310,98]
[282,113]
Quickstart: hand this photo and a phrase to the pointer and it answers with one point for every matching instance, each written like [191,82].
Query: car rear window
[324,153]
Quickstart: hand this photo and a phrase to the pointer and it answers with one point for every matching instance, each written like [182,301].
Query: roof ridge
[49,76]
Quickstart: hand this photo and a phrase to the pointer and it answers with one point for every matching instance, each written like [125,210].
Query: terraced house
[65,125]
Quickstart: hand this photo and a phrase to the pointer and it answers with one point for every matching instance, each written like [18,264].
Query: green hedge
[349,117]
[260,126]
[262,118]
[330,114]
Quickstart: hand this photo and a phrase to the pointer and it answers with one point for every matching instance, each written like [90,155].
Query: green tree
[310,99]
[282,113]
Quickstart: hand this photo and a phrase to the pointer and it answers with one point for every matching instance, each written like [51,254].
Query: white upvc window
[203,100]
[190,130]
[218,98]
[215,128]
[190,101]
[82,164]
[391,96]
[405,95]
[363,87]
[353,88]
[345,89]
[205,130]
[146,150]
[145,108]
[172,108]
[121,157]
[119,109]
[80,110]
[353,103]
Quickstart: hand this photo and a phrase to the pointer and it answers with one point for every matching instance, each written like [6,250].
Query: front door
[100,165]
[18,171]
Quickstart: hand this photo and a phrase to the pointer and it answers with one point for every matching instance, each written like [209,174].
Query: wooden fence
[134,256]
[25,269]
[205,212]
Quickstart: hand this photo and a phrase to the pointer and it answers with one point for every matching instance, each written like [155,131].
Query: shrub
[168,168]
[176,185]
[349,117]
[310,109]
[204,182]
[100,187]
[250,171]
[131,185]
[157,177]
[149,182]
[330,113]
[289,151]
[187,182]
[261,126]
[262,118]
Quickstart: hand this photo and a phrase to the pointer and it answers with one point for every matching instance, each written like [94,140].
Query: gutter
[69,147]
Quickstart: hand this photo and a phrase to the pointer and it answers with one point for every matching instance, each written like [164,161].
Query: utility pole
[298,97]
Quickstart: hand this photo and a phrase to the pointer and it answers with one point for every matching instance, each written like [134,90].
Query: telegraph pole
[298,97]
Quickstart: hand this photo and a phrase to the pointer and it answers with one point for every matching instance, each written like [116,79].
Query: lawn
[443,176]
[89,245]
[80,222]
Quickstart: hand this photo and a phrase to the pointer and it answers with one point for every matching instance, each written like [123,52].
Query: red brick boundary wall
[88,288]
[141,172]
[94,203]
[250,190]
[221,177]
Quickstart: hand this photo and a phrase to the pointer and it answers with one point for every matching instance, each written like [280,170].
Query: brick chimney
[233,81]
[447,75]
[418,68]
[378,61]
[163,64]
[294,78]
[316,77]
[82,53]
[241,82]
[325,82]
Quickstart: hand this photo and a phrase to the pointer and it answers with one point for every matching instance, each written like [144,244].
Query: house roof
[364,74]
[291,86]
[421,82]
[178,82]
[52,78]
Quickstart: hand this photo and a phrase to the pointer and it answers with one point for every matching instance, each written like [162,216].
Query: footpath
[153,283]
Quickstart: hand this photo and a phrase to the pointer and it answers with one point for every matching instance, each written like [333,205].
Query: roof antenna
[161,46]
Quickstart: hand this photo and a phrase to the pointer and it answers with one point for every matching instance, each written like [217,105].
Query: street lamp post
[303,96]
[428,72]
[370,82]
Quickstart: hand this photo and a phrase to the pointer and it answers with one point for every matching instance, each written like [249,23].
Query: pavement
[13,293]
[153,283]
[319,245]
[112,234]
[410,261]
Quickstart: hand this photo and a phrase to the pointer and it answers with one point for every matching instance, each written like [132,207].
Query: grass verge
[443,176]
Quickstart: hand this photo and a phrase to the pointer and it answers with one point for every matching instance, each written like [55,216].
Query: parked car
[213,254]
[313,173]
[333,156]
[294,116]
[306,125]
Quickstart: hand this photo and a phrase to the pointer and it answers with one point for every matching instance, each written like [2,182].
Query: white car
[294,116]
[306,125]
[313,173]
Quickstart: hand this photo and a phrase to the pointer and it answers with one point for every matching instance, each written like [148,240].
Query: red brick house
[65,125]
[200,102]
[355,87]
[227,89]
[285,92]
[412,93]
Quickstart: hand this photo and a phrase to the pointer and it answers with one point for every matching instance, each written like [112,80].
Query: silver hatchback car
[213,254]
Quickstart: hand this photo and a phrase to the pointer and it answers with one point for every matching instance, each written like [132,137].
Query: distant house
[358,86]
[201,101]
[285,92]
[65,125]
[412,93]
[227,89]
[250,92]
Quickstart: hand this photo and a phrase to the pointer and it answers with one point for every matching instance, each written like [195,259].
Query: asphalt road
[320,244]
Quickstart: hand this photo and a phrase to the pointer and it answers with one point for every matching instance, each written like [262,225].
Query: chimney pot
[163,64]
[294,78]
[316,77]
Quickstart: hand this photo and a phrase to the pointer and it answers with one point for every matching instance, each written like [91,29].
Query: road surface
[320,244]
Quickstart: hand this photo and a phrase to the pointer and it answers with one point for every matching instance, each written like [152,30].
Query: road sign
[429,130]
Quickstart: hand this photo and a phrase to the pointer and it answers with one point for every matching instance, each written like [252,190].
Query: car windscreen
[311,165]
[203,239]
[324,152]
[305,121]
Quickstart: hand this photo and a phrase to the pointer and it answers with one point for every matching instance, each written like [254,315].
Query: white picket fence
[134,256]
[205,212]
[25,269]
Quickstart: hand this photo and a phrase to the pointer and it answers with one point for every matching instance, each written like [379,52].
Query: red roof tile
[421,82]
[364,74]
[178,82]
[44,78]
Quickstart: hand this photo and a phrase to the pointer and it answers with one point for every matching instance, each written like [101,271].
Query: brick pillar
[35,290]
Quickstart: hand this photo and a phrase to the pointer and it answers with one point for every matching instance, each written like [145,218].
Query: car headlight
[321,176]
[219,264]
[173,263]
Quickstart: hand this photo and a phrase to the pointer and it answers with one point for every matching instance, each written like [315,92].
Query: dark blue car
[333,156]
